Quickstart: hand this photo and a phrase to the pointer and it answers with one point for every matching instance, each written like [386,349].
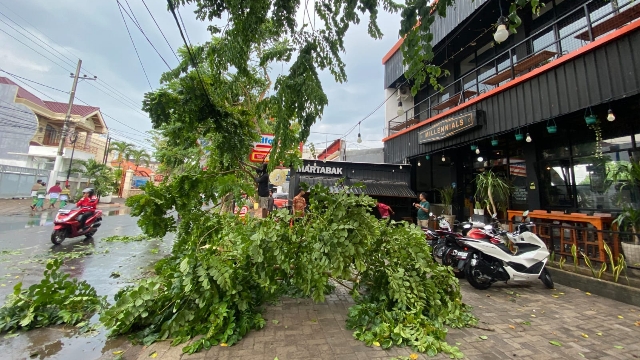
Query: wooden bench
[454,100]
[522,66]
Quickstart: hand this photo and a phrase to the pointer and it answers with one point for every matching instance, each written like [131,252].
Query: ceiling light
[477,150]
[611,117]
[501,33]
[528,139]
[419,163]
[443,158]
[480,159]
[400,111]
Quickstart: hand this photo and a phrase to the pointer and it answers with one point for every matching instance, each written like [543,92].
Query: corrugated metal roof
[80,110]
[373,188]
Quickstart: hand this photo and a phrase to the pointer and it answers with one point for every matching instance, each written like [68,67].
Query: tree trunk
[493,205]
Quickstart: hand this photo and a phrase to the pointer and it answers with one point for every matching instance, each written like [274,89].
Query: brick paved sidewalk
[518,322]
[13,207]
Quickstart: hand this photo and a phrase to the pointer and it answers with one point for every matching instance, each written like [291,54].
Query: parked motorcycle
[444,244]
[489,261]
[66,224]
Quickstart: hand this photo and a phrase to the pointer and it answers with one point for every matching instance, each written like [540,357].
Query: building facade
[554,108]
[31,129]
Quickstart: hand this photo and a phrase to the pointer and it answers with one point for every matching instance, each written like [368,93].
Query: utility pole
[57,165]
[65,128]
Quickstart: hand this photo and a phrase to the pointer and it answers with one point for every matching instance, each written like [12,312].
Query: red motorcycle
[67,225]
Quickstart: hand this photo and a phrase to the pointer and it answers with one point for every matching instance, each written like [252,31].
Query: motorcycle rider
[90,201]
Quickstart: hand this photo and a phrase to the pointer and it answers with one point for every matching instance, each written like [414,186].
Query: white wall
[391,108]
[18,125]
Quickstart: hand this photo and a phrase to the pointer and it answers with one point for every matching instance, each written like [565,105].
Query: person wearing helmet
[90,201]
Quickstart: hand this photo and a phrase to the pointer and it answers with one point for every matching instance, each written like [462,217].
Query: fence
[17,181]
[568,33]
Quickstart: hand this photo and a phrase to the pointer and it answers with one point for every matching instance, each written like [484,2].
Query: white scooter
[490,261]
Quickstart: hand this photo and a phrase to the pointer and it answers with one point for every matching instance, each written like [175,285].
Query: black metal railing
[563,36]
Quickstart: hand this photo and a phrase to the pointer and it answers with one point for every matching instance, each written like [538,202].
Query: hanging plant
[598,132]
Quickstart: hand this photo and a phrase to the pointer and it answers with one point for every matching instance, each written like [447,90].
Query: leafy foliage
[127,238]
[101,177]
[223,269]
[55,300]
[121,151]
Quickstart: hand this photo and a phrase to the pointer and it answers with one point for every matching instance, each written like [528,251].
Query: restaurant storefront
[554,109]
[390,184]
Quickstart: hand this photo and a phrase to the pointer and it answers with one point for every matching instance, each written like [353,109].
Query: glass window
[556,184]
[597,187]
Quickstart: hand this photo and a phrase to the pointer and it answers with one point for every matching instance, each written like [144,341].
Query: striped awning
[370,187]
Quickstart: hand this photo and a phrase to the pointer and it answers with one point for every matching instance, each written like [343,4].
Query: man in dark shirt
[263,188]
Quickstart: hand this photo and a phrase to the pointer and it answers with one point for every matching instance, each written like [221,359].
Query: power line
[194,63]
[158,26]
[100,81]
[134,44]
[135,22]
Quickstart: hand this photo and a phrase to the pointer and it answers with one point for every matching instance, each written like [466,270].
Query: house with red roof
[31,129]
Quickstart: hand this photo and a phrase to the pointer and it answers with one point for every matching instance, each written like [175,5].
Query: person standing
[54,194]
[42,193]
[385,210]
[270,202]
[263,188]
[34,193]
[299,204]
[423,210]
[65,194]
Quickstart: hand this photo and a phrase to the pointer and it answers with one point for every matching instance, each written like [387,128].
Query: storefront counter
[588,239]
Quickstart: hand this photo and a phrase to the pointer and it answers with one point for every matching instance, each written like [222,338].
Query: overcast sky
[94,31]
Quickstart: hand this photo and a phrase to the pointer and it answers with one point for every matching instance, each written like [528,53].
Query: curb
[614,291]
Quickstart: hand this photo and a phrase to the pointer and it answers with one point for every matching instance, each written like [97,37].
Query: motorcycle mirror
[488,227]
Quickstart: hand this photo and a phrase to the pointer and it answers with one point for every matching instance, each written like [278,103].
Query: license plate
[462,255]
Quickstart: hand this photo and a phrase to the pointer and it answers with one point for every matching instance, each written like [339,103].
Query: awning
[373,188]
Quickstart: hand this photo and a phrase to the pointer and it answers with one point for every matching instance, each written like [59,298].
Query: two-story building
[553,108]
[30,133]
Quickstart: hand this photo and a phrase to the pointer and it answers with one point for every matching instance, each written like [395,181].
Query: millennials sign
[443,129]
[330,170]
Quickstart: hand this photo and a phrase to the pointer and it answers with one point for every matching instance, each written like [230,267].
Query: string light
[443,158]
[611,116]
[528,139]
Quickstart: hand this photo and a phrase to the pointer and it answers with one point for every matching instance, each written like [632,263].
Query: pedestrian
[299,204]
[263,188]
[423,210]
[54,194]
[385,211]
[65,194]
[270,202]
[41,193]
[34,193]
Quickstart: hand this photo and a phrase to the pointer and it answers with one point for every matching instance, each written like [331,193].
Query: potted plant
[477,207]
[629,219]
[493,188]
[446,194]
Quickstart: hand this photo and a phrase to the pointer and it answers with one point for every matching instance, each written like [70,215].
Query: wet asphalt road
[25,247]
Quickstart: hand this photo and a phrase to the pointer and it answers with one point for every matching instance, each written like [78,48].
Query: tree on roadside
[139,157]
[121,151]
[100,176]
[222,270]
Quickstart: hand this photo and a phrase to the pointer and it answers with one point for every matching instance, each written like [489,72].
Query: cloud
[94,31]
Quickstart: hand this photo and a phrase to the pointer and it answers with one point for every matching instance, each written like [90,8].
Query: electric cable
[134,44]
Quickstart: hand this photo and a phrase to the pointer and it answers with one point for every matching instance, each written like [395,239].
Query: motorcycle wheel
[58,236]
[545,276]
[472,278]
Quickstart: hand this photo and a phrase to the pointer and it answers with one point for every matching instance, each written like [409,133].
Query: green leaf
[555,343]
[483,337]
[619,347]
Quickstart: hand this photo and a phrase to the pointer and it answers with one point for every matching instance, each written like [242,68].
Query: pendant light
[359,137]
[502,33]
[400,111]
[528,138]
[443,158]
[427,157]
[610,116]
[477,150]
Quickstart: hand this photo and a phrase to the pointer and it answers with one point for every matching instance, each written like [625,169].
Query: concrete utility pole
[57,165]
[65,128]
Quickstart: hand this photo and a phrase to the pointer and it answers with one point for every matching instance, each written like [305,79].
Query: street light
[73,150]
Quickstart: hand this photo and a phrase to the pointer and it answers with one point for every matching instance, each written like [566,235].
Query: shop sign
[330,170]
[262,148]
[443,129]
